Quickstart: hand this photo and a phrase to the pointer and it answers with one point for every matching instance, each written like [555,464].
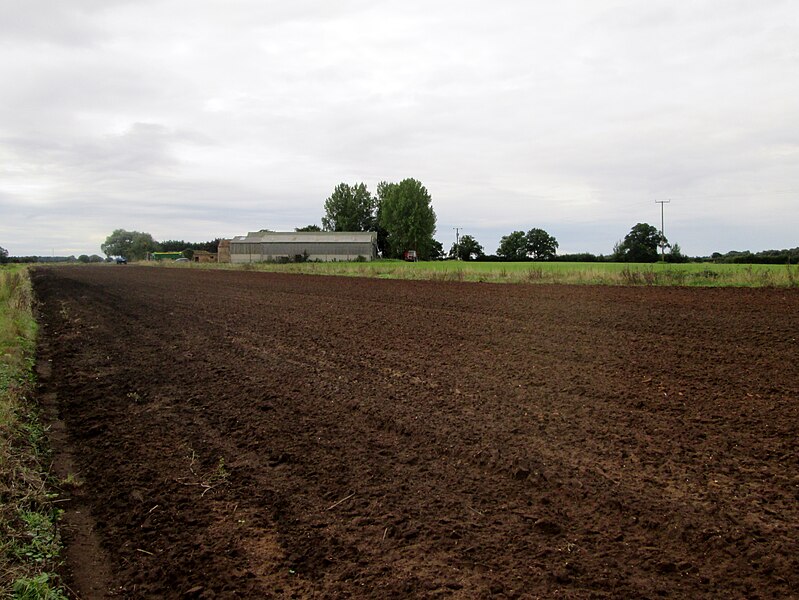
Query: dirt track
[267,435]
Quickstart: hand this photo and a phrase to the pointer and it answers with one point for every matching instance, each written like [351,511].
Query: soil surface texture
[259,435]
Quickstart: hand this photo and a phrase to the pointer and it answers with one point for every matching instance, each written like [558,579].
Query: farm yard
[233,433]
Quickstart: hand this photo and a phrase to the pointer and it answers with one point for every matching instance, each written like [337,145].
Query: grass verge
[29,542]
[660,274]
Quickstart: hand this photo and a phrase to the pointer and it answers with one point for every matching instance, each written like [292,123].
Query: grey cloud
[174,116]
[54,22]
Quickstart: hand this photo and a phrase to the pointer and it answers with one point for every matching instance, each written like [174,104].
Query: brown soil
[246,434]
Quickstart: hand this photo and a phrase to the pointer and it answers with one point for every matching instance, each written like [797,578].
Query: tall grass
[29,540]
[660,274]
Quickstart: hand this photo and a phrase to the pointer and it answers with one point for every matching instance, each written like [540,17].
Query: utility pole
[662,232]
[457,242]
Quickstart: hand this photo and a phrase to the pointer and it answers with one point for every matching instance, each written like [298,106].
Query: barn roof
[307,237]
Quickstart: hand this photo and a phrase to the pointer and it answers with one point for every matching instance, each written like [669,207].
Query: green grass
[688,274]
[29,541]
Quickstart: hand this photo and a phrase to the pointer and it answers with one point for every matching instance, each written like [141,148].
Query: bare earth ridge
[244,434]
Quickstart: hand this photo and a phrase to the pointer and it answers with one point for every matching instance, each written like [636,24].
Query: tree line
[402,216]
[136,245]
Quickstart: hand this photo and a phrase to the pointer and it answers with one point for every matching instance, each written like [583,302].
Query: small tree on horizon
[541,245]
[640,245]
[513,246]
[467,249]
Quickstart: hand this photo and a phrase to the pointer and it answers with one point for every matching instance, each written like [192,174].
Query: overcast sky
[196,119]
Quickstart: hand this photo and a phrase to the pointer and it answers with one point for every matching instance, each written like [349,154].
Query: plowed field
[241,434]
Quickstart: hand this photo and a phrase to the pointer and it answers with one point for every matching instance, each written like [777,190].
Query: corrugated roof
[307,237]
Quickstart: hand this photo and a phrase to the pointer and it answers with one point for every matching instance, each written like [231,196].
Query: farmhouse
[263,246]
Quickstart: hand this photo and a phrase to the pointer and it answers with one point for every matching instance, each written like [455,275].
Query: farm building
[223,251]
[263,246]
[202,256]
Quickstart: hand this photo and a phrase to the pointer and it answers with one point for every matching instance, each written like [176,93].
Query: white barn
[261,246]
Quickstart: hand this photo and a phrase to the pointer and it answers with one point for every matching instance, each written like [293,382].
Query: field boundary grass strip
[30,543]
[545,272]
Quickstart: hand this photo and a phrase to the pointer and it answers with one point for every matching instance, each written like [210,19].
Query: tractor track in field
[246,434]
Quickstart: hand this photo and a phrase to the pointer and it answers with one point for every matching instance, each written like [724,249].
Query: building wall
[201,256]
[223,251]
[245,252]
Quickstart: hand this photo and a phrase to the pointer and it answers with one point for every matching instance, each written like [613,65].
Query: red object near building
[410,255]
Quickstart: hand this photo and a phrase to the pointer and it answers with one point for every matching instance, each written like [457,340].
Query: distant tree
[308,228]
[437,250]
[209,246]
[349,208]
[3,256]
[640,245]
[84,258]
[183,246]
[174,245]
[94,258]
[131,245]
[467,249]
[407,216]
[513,246]
[540,245]
[676,255]
[773,257]
[578,257]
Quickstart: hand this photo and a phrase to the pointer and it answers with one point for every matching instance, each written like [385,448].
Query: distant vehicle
[121,261]
[182,259]
[410,256]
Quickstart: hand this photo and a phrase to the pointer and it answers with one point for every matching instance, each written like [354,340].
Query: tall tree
[349,208]
[3,255]
[640,245]
[513,246]
[130,245]
[540,245]
[467,248]
[383,189]
[406,213]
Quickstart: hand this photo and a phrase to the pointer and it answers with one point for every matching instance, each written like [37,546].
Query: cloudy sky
[196,119]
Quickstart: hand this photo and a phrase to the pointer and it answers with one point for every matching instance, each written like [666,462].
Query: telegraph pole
[662,232]
[457,242]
